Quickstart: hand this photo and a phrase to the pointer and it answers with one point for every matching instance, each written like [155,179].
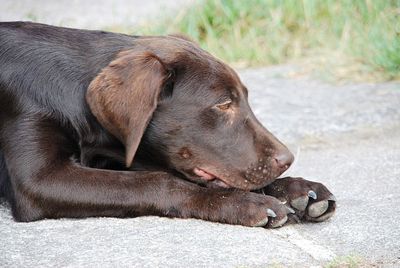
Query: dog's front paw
[312,201]
[243,208]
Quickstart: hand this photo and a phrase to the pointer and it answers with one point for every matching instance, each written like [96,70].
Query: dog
[94,123]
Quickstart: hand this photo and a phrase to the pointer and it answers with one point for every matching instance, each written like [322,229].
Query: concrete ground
[347,137]
[89,14]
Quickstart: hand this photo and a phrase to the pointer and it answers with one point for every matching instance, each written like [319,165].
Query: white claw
[290,210]
[271,213]
[312,194]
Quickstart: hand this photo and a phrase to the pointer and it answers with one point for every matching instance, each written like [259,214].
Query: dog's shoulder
[49,63]
[46,69]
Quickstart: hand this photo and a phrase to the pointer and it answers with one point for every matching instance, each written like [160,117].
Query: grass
[350,261]
[350,39]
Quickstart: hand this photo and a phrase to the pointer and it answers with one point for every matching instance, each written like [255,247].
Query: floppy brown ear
[124,96]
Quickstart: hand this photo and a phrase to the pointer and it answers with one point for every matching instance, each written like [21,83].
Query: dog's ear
[124,96]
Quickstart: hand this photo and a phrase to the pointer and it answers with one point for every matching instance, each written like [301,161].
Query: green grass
[344,38]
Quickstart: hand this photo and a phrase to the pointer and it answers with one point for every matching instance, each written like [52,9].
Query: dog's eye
[225,105]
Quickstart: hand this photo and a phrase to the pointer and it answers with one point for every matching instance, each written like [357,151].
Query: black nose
[284,160]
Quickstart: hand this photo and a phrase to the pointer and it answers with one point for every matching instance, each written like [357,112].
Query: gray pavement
[347,137]
[89,14]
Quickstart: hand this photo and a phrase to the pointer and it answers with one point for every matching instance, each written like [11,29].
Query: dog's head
[189,111]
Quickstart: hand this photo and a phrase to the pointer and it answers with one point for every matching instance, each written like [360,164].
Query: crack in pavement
[293,236]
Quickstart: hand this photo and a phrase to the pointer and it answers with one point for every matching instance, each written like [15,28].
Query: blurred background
[336,40]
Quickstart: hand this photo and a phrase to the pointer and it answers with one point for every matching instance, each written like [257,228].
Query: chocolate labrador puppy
[94,123]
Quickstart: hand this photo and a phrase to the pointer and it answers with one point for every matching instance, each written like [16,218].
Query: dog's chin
[210,179]
[205,178]
[217,183]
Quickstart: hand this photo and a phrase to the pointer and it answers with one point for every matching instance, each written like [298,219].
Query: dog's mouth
[211,179]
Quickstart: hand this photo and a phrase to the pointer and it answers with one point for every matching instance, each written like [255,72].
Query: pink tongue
[203,174]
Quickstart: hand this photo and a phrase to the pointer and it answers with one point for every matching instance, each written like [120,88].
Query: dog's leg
[47,183]
[311,201]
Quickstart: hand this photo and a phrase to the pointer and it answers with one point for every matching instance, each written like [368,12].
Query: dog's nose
[284,160]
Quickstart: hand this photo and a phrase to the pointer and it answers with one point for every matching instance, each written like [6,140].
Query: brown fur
[124,96]
[102,124]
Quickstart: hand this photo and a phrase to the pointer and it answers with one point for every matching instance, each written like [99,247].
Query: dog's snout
[284,160]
